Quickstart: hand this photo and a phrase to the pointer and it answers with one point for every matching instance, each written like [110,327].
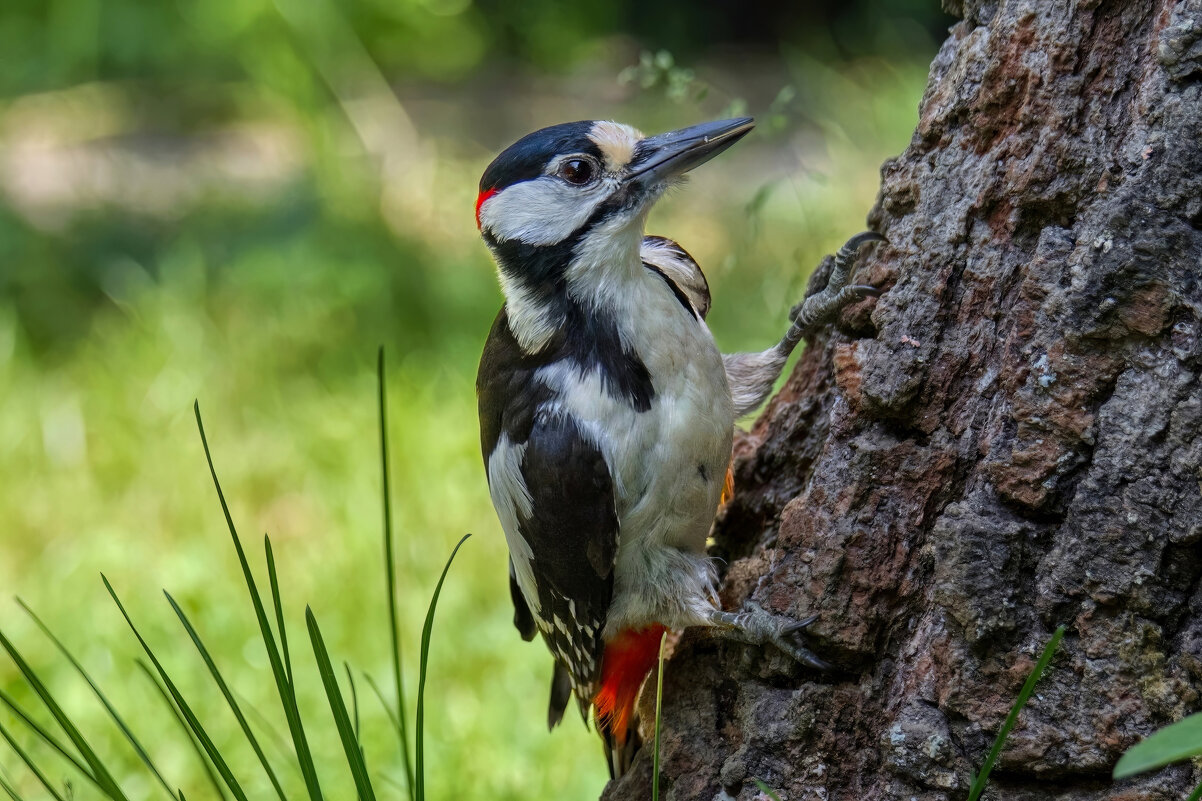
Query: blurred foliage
[238,200]
[52,43]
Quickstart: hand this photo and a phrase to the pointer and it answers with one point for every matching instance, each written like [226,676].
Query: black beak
[668,155]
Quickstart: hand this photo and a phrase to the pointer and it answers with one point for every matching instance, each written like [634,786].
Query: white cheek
[540,212]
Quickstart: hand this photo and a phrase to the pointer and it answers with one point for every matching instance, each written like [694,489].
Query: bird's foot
[756,626]
[819,307]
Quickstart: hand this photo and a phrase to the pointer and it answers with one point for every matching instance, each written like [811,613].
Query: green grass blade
[387,710]
[1173,743]
[46,736]
[390,575]
[229,697]
[130,737]
[8,789]
[978,784]
[287,695]
[279,608]
[421,676]
[380,696]
[659,718]
[104,779]
[766,790]
[371,682]
[342,721]
[277,741]
[29,763]
[393,782]
[214,780]
[350,679]
[193,722]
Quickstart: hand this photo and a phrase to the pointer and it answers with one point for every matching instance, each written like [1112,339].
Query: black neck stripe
[588,338]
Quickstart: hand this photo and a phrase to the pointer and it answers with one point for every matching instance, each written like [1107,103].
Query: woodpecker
[607,411]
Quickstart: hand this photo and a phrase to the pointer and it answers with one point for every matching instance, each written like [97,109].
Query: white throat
[603,266]
[606,262]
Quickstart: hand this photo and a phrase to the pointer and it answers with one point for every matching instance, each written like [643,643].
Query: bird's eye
[576,171]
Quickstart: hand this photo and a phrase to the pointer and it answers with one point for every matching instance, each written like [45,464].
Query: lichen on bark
[1009,438]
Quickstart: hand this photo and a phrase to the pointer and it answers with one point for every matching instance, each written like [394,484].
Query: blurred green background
[237,201]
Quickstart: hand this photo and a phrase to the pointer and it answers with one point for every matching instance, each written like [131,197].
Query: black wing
[523,621]
[572,531]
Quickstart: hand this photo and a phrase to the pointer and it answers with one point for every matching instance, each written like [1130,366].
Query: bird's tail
[620,752]
[628,659]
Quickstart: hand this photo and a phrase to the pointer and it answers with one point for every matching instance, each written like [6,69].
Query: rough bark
[1008,439]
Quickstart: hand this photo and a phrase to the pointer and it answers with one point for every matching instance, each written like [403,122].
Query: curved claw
[804,623]
[847,254]
[862,237]
[787,640]
[793,628]
[803,655]
[757,626]
[837,294]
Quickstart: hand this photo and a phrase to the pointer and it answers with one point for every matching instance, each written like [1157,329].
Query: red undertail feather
[628,659]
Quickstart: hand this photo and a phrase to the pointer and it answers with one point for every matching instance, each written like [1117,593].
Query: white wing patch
[680,268]
[511,498]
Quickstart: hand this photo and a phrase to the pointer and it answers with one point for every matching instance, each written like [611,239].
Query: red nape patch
[483,196]
[628,659]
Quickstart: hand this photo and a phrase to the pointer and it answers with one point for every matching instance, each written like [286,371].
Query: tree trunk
[1006,440]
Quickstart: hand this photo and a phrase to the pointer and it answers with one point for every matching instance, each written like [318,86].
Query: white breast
[668,463]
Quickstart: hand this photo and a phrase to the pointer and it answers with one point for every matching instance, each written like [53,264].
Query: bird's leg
[752,375]
[819,307]
[756,626]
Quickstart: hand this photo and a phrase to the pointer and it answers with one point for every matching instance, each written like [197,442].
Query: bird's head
[554,186]
[562,210]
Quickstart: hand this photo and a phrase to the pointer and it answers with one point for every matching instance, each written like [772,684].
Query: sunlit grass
[316,489]
[213,759]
